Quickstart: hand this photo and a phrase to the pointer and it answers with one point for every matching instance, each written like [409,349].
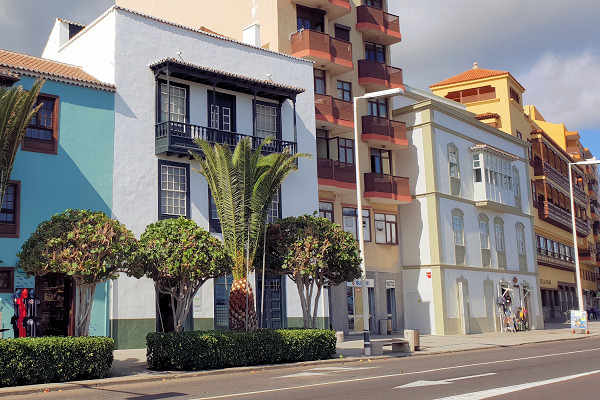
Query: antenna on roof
[179,55]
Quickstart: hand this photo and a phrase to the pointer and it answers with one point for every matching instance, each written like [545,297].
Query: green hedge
[27,361]
[192,351]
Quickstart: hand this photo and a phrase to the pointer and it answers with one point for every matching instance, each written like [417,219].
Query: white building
[467,238]
[219,89]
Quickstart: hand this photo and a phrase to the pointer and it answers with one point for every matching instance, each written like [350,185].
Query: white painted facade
[119,48]
[449,291]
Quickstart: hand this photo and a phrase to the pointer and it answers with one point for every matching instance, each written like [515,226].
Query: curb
[152,376]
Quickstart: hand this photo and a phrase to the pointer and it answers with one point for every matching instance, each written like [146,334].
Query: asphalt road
[567,369]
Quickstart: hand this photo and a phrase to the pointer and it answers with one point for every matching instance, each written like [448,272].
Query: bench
[398,345]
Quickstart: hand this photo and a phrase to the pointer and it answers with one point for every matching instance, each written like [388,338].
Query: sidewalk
[130,365]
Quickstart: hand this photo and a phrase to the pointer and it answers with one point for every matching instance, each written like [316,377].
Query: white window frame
[458,228]
[499,235]
[386,228]
[173,190]
[178,104]
[484,234]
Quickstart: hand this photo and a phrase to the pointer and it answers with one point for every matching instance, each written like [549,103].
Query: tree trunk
[237,306]
[316,309]
[83,311]
[303,303]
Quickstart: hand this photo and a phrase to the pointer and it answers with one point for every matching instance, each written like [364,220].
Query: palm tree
[16,111]
[243,184]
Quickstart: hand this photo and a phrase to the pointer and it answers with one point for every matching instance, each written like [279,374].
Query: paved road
[556,370]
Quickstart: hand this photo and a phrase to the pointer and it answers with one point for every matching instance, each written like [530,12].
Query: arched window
[454,170]
[458,227]
[520,238]
[484,231]
[499,234]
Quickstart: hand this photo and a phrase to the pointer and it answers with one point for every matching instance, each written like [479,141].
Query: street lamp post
[359,224]
[575,246]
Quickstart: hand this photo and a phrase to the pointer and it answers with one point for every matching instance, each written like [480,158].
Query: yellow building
[496,97]
[349,42]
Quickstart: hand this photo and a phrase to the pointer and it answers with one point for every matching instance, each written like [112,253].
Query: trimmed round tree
[179,257]
[313,252]
[86,245]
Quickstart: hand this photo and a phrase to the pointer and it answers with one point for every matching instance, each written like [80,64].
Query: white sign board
[390,284]
[358,283]
[578,319]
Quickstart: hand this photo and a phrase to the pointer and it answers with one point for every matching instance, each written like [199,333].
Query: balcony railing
[376,75]
[555,215]
[387,187]
[334,55]
[180,138]
[384,131]
[377,25]
[334,111]
[336,173]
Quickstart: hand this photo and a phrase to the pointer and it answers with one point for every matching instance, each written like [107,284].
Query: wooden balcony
[594,213]
[374,75]
[378,26]
[588,256]
[593,191]
[555,215]
[176,138]
[331,54]
[336,176]
[382,188]
[333,8]
[544,170]
[333,114]
[379,131]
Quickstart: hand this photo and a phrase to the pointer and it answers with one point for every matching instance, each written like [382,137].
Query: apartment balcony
[333,8]
[374,75]
[333,114]
[552,259]
[594,212]
[588,256]
[176,138]
[331,54]
[544,171]
[377,131]
[336,176]
[382,188]
[555,215]
[378,26]
[593,191]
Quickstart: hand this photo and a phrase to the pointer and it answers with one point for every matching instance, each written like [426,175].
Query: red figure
[22,304]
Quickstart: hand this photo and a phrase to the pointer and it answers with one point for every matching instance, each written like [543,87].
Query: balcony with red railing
[374,75]
[331,54]
[333,114]
[333,8]
[378,131]
[378,26]
[383,188]
[555,215]
[338,177]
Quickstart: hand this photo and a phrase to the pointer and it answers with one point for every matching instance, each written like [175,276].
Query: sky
[552,47]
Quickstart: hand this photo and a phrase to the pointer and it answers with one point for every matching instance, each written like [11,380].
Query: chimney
[251,34]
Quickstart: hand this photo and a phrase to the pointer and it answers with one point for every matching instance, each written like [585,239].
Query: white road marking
[326,371]
[485,394]
[369,378]
[441,381]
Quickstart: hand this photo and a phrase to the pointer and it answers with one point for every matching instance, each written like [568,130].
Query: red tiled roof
[5,73]
[487,115]
[473,74]
[23,63]
[205,29]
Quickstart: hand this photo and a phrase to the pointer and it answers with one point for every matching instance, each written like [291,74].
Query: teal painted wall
[79,176]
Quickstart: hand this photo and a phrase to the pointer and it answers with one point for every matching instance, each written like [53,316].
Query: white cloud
[564,88]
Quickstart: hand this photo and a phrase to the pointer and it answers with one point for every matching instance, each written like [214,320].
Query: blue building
[65,161]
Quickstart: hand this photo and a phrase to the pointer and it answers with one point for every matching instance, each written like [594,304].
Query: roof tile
[18,62]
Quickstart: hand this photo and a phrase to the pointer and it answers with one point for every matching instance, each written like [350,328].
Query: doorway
[221,117]
[165,321]
[56,308]
[274,310]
